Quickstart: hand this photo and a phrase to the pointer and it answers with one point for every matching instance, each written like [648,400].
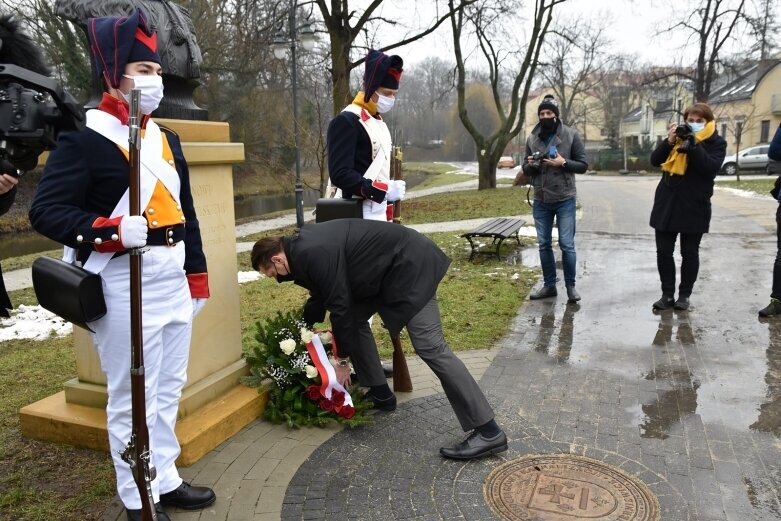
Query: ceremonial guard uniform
[359,143]
[82,202]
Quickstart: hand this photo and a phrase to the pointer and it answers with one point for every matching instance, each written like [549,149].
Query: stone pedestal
[214,405]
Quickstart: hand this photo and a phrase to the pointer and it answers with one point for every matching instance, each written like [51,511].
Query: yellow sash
[676,162]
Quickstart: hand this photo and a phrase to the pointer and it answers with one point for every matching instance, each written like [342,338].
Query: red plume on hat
[381,70]
[116,41]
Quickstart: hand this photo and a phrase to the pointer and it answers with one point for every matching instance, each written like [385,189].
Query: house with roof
[748,107]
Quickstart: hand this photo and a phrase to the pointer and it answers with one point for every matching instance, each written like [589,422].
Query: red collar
[118,108]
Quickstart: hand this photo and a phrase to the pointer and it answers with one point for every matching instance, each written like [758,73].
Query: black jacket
[552,183]
[355,268]
[682,202]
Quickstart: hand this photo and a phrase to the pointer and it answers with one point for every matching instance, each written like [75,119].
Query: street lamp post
[282,40]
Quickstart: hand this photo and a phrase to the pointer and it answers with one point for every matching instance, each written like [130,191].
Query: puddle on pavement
[695,371]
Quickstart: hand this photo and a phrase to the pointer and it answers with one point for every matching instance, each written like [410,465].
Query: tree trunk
[340,69]
[486,177]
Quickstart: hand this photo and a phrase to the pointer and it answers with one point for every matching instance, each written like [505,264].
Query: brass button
[79,238]
[170,161]
[170,233]
[150,211]
[154,224]
[114,237]
[98,241]
[179,207]
[182,218]
[170,241]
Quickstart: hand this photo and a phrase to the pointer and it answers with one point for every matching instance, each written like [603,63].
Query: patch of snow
[249,276]
[33,322]
[743,193]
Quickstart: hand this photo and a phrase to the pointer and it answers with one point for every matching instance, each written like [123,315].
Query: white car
[752,158]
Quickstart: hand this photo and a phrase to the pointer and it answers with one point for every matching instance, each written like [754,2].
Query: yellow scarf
[676,162]
[369,105]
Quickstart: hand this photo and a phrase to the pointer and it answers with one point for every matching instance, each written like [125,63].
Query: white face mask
[151,87]
[384,103]
[696,127]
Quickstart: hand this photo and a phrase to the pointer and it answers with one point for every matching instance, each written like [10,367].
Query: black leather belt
[165,235]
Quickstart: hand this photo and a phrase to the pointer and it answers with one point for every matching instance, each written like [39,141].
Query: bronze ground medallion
[564,487]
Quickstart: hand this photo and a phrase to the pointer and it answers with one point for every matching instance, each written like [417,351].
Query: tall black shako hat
[381,70]
[549,102]
[115,41]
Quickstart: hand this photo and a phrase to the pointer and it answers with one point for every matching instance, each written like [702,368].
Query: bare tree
[712,24]
[764,27]
[572,64]
[485,21]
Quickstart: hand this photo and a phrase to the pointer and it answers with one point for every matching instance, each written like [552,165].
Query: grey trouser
[425,333]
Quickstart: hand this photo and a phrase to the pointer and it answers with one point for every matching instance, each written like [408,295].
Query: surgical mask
[151,87]
[548,125]
[696,127]
[384,103]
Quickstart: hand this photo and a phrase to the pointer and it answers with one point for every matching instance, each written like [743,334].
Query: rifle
[401,378]
[137,453]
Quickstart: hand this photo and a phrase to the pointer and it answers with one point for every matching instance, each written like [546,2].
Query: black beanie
[548,102]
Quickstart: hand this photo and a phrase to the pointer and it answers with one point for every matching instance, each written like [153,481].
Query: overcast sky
[633,27]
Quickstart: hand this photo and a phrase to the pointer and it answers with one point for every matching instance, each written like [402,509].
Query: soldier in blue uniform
[82,202]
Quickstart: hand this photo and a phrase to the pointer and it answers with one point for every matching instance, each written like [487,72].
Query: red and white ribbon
[326,371]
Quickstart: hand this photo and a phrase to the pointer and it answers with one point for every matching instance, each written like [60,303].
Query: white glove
[132,231]
[396,191]
[198,304]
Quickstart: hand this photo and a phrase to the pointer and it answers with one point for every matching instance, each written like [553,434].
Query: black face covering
[284,278]
[548,125]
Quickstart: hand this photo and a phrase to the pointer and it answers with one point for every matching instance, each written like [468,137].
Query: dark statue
[178,49]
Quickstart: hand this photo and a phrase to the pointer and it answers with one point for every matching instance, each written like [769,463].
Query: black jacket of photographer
[552,183]
[355,268]
[682,202]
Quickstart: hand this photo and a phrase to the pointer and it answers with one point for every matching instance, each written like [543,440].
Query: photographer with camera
[554,154]
[83,202]
[690,159]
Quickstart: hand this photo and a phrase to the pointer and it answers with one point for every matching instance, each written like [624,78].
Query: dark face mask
[284,278]
[548,125]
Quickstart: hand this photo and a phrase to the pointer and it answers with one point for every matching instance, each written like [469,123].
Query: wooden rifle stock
[401,378]
[137,454]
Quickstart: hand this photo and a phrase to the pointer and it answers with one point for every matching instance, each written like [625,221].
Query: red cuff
[199,285]
[380,185]
[107,230]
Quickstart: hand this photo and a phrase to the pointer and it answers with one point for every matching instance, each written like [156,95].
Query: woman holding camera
[690,158]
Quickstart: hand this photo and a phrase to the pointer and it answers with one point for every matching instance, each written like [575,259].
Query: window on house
[764,131]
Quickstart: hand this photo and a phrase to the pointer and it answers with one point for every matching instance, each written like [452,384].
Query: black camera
[686,134]
[34,109]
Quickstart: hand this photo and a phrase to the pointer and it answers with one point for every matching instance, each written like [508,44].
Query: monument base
[56,420]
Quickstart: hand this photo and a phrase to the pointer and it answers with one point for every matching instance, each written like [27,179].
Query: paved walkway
[688,402]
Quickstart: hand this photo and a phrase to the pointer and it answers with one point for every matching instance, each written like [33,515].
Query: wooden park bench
[498,229]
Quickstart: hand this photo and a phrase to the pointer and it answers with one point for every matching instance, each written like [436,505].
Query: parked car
[752,158]
[508,162]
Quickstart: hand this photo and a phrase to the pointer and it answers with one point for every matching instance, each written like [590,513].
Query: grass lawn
[42,481]
[438,174]
[759,186]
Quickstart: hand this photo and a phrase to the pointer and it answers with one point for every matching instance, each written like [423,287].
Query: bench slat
[499,228]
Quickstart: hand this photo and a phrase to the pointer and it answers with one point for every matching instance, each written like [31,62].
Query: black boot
[476,446]
[666,302]
[572,295]
[188,497]
[772,309]
[543,292]
[682,304]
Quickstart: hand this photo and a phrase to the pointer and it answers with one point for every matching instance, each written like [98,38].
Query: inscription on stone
[561,487]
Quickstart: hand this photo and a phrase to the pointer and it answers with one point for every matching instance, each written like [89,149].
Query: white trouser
[375,211]
[167,326]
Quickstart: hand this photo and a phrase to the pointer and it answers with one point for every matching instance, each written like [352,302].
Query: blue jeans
[543,213]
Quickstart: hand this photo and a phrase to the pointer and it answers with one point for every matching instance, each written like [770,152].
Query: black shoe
[382,404]
[572,295]
[666,302]
[135,515]
[682,304]
[543,292]
[476,446]
[388,370]
[772,309]
[188,497]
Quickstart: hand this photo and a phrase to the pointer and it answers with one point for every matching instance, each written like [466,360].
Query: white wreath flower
[288,346]
[306,335]
[311,371]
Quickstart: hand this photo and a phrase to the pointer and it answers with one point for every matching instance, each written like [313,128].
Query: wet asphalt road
[689,402]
